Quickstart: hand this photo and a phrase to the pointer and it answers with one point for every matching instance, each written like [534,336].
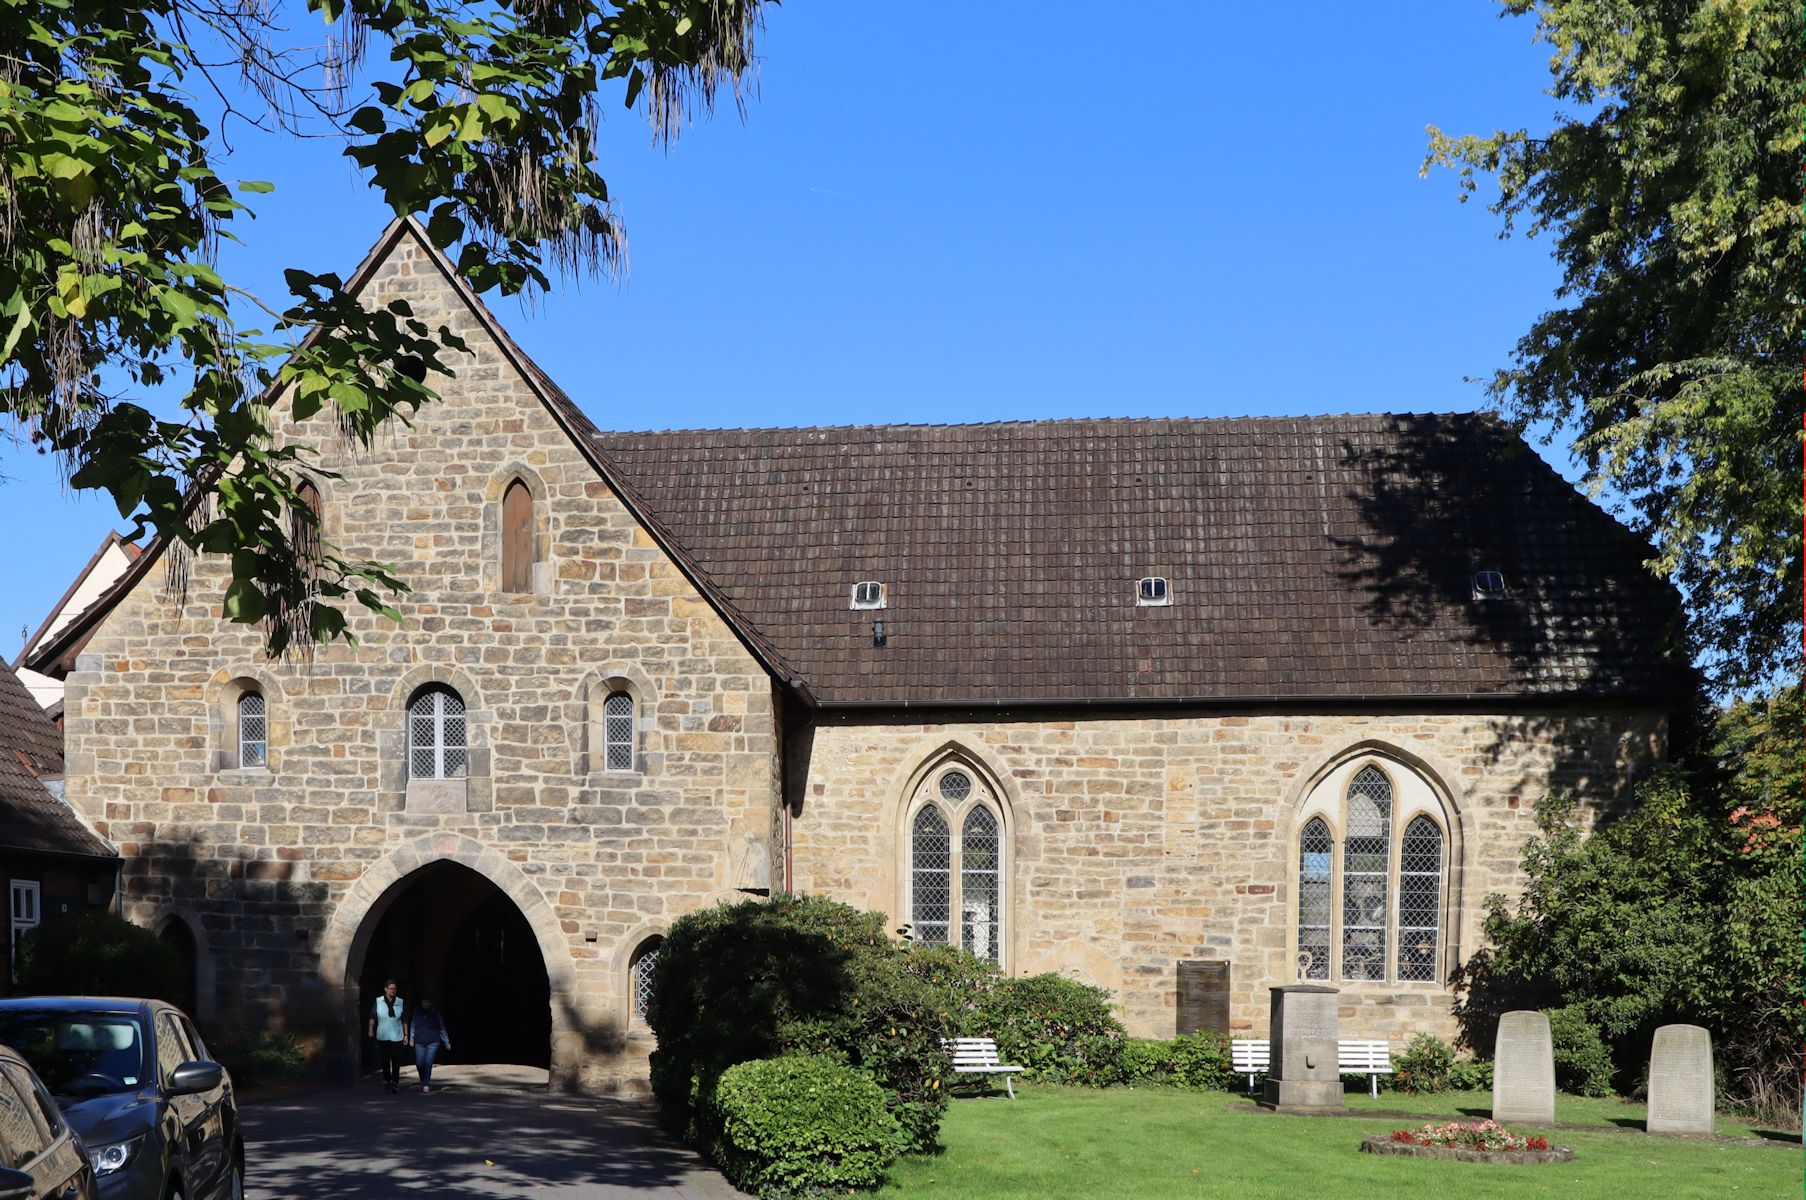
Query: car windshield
[79,1054]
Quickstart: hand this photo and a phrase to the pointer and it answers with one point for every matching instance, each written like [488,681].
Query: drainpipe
[788,874]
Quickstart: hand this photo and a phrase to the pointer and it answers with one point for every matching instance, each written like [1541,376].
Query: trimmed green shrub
[1471,1075]
[1425,1066]
[256,1058]
[1192,1060]
[959,980]
[95,953]
[1058,1029]
[789,975]
[1583,1064]
[800,1125]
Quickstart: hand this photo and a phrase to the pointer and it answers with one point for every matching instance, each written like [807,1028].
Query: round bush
[802,1124]
[795,975]
[1060,1030]
[95,953]
[1583,1063]
[1425,1066]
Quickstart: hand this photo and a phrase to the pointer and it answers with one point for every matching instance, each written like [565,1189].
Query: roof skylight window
[1153,591]
[1490,585]
[868,593]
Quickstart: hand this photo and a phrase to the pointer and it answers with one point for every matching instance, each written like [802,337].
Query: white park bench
[978,1056]
[1372,1059]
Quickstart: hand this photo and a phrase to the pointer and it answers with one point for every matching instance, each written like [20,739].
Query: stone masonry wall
[278,869]
[1134,842]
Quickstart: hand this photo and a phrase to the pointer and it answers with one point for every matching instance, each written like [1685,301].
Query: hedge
[801,1125]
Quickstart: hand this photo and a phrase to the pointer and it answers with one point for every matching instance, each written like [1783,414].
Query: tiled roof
[31,818]
[1321,558]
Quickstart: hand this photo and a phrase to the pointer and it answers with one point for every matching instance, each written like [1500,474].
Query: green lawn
[1057,1142]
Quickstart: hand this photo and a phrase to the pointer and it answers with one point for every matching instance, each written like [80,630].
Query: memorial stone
[1203,997]
[1681,1088]
[1302,1036]
[1523,1070]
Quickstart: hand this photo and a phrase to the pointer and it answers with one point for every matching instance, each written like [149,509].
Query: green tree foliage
[96,953]
[114,194]
[1686,909]
[1672,191]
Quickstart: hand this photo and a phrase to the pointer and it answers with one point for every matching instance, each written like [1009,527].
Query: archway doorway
[448,932]
[179,937]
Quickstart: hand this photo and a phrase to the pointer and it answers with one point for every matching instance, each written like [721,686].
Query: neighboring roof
[1313,558]
[31,747]
[51,622]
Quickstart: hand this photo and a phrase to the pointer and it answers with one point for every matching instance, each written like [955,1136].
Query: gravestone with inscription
[1203,997]
[1302,1032]
[1681,1088]
[1523,1070]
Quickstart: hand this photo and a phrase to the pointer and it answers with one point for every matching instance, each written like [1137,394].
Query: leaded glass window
[1419,901]
[253,730]
[436,734]
[956,786]
[930,876]
[617,731]
[978,883]
[1315,852]
[643,964]
[1366,866]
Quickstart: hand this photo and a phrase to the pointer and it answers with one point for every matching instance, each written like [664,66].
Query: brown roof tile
[31,818]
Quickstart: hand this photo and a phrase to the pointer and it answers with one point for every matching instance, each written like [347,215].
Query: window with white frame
[253,730]
[26,914]
[956,865]
[645,959]
[1371,907]
[617,731]
[437,734]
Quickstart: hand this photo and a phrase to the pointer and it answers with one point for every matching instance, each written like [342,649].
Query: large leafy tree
[127,354]
[1672,194]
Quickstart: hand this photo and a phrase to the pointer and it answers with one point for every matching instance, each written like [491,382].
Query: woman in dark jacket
[429,1035]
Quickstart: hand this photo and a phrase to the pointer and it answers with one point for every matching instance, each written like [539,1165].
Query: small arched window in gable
[253,730]
[437,745]
[645,959]
[617,731]
[519,538]
[304,527]
[1419,900]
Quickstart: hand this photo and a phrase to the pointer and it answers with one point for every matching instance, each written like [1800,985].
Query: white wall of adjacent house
[111,564]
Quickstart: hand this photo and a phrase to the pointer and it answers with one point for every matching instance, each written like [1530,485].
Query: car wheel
[235,1189]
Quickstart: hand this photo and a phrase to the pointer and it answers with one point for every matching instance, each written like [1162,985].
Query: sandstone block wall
[278,869]
[1137,841]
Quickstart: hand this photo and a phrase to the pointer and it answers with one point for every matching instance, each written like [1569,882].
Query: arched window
[253,730]
[1315,853]
[1370,910]
[1419,901]
[436,734]
[644,960]
[1366,871]
[518,538]
[617,731]
[956,885]
[304,533]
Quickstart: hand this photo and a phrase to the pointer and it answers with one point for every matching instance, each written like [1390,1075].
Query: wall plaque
[1203,996]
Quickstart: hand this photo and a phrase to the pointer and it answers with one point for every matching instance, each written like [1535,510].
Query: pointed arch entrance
[450,916]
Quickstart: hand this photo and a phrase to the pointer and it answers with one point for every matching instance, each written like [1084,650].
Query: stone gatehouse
[1150,702]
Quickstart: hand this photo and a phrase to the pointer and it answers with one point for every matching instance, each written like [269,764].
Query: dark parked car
[40,1156]
[133,1077]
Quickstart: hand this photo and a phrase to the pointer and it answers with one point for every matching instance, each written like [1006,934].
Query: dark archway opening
[179,937]
[450,933]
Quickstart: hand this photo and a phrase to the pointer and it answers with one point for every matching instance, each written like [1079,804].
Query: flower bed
[1468,1141]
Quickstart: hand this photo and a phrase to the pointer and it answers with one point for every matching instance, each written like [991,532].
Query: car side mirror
[17,1185]
[192,1077]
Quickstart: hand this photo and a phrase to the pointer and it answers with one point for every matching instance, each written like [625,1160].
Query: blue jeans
[424,1054]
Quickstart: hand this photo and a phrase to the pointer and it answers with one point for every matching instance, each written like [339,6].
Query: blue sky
[991,212]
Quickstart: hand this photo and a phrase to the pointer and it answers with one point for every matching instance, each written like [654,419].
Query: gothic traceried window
[1370,907]
[437,748]
[956,865]
[644,960]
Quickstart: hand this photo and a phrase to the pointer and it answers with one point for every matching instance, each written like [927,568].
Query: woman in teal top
[389,1026]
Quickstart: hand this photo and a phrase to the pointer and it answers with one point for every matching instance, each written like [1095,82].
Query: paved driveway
[462,1141]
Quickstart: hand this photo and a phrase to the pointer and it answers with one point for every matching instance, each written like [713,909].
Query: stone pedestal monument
[1301,1037]
[1682,1093]
[1523,1070]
